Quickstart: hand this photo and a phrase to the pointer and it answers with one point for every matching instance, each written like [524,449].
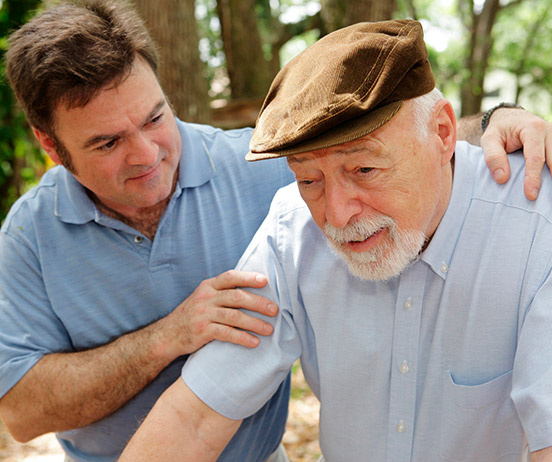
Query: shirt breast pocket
[480,422]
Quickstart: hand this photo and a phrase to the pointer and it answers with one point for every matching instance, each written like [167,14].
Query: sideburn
[64,155]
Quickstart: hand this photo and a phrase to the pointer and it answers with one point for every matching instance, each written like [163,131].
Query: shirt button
[444,267]
[138,239]
[401,426]
[404,368]
[408,303]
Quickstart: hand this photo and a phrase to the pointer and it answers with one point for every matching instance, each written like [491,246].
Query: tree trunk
[173,26]
[340,13]
[250,74]
[478,56]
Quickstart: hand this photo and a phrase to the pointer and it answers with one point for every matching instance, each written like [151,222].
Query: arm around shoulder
[180,427]
[469,129]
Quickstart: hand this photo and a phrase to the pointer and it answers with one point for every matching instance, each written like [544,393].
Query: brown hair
[68,53]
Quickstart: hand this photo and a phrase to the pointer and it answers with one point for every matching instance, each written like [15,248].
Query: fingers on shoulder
[236,278]
[229,334]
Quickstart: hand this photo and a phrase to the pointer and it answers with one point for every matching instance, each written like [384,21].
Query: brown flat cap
[343,87]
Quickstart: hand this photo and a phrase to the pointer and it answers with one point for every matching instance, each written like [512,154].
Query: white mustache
[359,230]
[382,262]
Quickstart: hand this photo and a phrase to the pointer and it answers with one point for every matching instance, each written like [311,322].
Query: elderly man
[414,289]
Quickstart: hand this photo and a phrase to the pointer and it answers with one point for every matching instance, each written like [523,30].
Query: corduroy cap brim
[345,86]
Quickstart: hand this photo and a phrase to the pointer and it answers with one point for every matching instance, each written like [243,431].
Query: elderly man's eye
[157,118]
[365,169]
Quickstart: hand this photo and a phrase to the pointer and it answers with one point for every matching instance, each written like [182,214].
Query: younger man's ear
[48,145]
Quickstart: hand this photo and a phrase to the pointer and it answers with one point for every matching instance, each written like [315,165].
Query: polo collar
[196,165]
[72,204]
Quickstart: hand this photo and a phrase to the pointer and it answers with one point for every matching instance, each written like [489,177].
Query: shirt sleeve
[532,374]
[236,381]
[29,328]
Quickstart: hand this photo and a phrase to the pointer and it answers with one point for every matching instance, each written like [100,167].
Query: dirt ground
[300,439]
[42,449]
[301,436]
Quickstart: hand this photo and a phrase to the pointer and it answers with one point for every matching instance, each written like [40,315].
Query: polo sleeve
[29,328]
[236,381]
[532,375]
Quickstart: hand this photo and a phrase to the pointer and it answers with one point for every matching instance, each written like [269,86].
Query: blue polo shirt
[451,361]
[72,278]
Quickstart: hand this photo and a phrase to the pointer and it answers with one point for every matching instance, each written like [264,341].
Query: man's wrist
[487,116]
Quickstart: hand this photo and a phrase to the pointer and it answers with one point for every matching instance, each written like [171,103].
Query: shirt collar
[72,204]
[441,248]
[196,164]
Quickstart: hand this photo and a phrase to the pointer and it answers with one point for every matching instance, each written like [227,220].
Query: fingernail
[268,328]
[535,193]
[260,278]
[498,174]
[272,309]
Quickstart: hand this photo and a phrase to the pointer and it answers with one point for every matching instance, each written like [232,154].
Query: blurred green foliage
[19,154]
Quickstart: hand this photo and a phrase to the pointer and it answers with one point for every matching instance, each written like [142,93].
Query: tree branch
[288,31]
[511,4]
[411,9]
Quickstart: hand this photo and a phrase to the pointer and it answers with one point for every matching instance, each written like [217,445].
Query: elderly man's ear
[445,124]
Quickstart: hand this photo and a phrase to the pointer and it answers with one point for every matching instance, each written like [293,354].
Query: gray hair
[422,107]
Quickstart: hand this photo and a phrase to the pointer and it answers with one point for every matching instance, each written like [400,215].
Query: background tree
[523,47]
[479,23]
[249,72]
[276,31]
[340,13]
[173,26]
[251,35]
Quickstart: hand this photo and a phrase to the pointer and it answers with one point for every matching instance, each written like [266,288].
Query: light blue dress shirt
[451,361]
[72,278]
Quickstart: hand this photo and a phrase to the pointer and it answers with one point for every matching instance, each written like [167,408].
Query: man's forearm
[180,428]
[469,129]
[544,455]
[69,390]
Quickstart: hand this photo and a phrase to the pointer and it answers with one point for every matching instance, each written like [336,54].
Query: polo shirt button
[404,367]
[401,426]
[408,304]
[444,267]
[138,239]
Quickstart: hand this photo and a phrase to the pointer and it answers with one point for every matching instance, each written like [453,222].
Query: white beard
[385,261]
